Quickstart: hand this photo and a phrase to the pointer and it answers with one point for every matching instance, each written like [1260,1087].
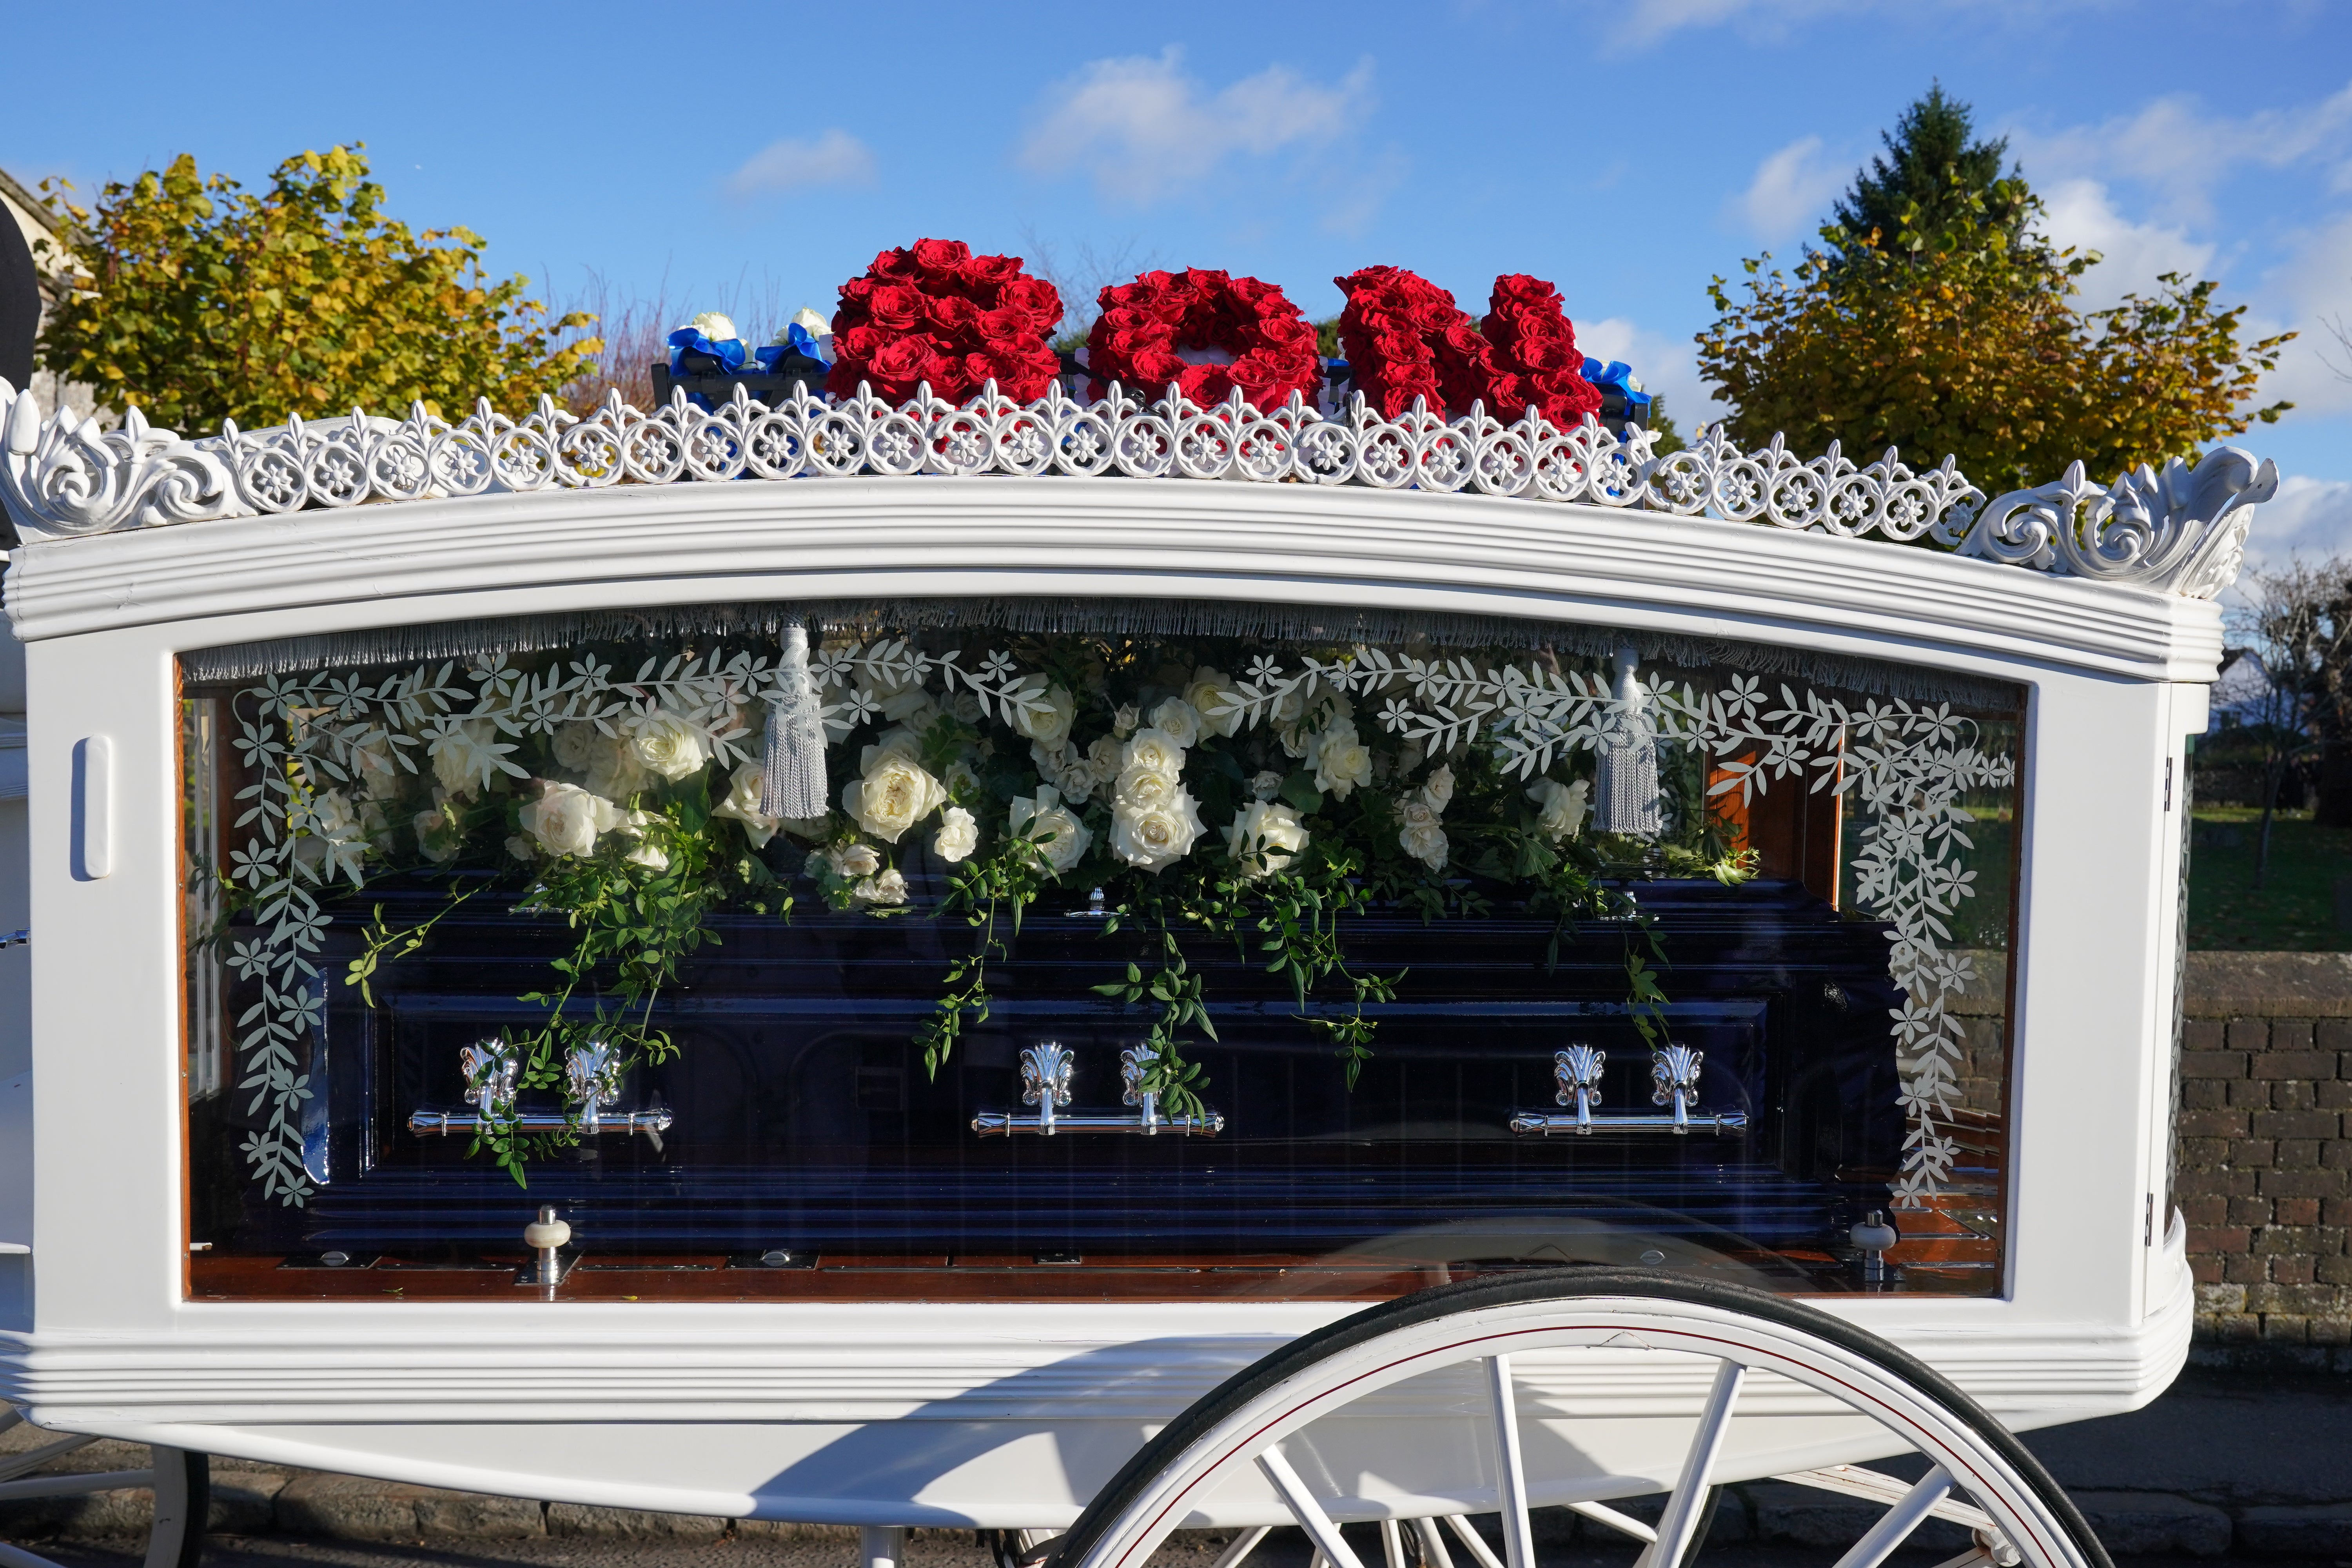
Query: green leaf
[1298,790]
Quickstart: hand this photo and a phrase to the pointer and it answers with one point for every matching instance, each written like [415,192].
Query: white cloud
[1644,24]
[2314,287]
[2180,152]
[1791,191]
[2082,214]
[1145,130]
[2310,518]
[834,158]
[1668,368]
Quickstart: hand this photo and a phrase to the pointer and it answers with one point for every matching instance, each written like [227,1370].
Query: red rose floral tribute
[1535,361]
[934,312]
[1405,338]
[1149,326]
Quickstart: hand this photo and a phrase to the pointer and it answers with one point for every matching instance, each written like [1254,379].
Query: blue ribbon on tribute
[727,352]
[1616,372]
[798,339]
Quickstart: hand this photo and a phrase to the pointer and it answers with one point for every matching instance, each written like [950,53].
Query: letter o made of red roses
[1147,327]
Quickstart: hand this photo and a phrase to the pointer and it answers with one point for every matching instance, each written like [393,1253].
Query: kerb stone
[2154,1525]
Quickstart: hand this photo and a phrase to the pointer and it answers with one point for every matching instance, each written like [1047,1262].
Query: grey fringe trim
[1298,624]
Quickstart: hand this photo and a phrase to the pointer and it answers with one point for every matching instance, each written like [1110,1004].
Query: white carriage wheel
[181,1481]
[1253,1432]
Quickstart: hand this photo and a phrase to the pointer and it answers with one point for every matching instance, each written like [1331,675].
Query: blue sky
[756,156]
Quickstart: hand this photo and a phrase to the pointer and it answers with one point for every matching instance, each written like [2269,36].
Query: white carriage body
[1010,1413]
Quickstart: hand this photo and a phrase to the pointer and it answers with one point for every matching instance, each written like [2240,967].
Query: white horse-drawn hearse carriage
[1088,968]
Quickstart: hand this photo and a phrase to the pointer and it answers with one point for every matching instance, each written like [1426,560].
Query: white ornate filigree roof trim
[2180,531]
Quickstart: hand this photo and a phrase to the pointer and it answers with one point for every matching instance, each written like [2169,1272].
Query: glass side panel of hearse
[1058,950]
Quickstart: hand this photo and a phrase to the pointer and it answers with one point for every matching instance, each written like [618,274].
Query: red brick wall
[2263,1176]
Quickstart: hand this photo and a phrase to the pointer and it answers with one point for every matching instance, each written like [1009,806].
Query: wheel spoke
[1680,1520]
[1474,1540]
[1896,1525]
[1518,1532]
[1317,1524]
[1971,1558]
[1243,1544]
[1433,1545]
[1623,1523]
[76,1486]
[34,1459]
[1853,1480]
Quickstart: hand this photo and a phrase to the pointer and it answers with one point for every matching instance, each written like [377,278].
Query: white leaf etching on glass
[325,749]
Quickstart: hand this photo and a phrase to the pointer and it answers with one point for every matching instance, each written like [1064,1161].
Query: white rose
[646,853]
[915,707]
[742,804]
[436,837]
[1265,786]
[1561,807]
[1065,769]
[1154,836]
[565,819]
[1048,723]
[379,772]
[1424,837]
[1123,722]
[336,839]
[958,836]
[1152,751]
[467,754]
[893,797]
[577,744]
[888,888]
[1179,721]
[1103,760]
[521,848]
[1061,839]
[896,741]
[1265,837]
[614,770]
[966,706]
[1213,698]
[667,745]
[853,861]
[1341,762]
[1144,790]
[1439,790]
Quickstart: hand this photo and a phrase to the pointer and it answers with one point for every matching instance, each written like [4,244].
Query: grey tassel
[1625,782]
[791,776]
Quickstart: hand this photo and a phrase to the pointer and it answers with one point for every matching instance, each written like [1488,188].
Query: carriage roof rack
[2180,531]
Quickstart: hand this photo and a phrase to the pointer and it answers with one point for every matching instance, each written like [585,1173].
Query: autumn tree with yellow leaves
[201,301]
[1936,318]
